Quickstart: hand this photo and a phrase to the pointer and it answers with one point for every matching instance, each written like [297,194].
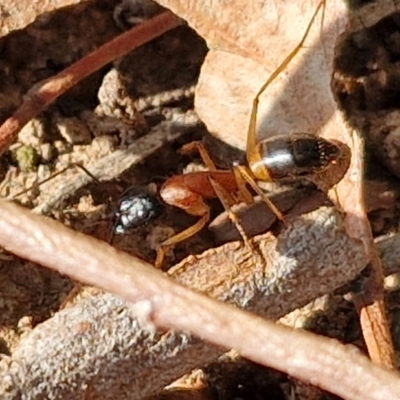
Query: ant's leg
[247,176]
[223,198]
[199,147]
[244,194]
[251,152]
[179,237]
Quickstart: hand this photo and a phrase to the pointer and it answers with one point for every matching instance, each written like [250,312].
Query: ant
[275,158]
[272,159]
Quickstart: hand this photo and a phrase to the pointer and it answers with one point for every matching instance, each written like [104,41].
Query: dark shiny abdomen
[299,154]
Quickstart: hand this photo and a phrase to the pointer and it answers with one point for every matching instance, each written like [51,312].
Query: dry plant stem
[371,308]
[369,303]
[42,94]
[99,347]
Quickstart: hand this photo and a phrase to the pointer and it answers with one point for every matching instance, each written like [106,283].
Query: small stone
[33,133]
[73,130]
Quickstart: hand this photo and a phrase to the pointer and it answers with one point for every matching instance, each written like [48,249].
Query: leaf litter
[308,106]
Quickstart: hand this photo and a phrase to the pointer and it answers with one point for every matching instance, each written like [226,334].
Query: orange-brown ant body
[274,158]
[297,155]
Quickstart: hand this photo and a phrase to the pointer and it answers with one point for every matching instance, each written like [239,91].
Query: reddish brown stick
[371,307]
[45,92]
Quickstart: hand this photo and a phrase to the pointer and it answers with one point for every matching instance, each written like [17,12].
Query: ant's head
[135,208]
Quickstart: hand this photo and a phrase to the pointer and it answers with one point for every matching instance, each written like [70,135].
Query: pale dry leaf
[299,100]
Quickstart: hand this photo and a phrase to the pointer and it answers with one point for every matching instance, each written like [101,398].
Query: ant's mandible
[274,158]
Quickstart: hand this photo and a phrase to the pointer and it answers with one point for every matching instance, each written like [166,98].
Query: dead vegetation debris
[127,121]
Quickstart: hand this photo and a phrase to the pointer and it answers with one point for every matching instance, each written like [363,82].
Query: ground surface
[110,111]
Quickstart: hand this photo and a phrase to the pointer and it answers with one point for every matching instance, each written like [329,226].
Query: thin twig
[45,92]
[369,303]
